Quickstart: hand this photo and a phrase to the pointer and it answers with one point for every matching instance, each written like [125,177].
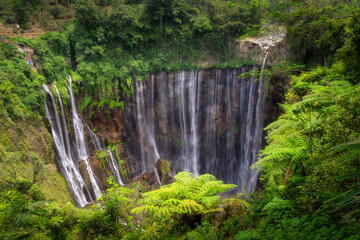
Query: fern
[298,133]
[187,196]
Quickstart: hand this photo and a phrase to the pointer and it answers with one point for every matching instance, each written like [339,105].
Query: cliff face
[200,121]
[270,39]
[205,121]
[110,125]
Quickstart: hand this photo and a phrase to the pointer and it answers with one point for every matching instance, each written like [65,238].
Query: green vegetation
[186,200]
[25,214]
[309,167]
[323,31]
[311,163]
[26,147]
[111,42]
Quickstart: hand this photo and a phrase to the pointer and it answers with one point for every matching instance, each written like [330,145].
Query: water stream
[65,163]
[81,143]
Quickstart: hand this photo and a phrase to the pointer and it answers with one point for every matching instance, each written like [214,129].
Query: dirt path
[11,30]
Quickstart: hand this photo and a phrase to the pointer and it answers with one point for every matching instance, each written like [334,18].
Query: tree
[187,199]
[308,127]
[87,13]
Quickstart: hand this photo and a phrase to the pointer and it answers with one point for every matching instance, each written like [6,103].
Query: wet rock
[270,38]
[148,180]
[100,167]
[109,123]
[85,175]
[164,172]
[156,176]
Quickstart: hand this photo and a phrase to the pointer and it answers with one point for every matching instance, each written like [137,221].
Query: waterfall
[95,140]
[81,144]
[146,130]
[66,165]
[258,127]
[145,122]
[207,121]
[80,137]
[66,134]
[249,132]
[114,168]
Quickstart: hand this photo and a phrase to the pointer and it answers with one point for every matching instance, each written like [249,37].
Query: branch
[287,175]
[352,11]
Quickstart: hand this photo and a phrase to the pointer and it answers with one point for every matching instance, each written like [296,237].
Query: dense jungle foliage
[310,166]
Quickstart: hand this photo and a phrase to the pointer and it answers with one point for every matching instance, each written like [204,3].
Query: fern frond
[189,206]
[206,178]
[209,201]
[171,202]
[151,209]
[187,195]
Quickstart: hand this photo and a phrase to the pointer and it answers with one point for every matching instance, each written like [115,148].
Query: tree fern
[187,196]
[321,117]
[290,137]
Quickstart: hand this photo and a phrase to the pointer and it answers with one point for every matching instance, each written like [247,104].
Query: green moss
[26,147]
[50,182]
[121,163]
[54,186]
[101,157]
[164,169]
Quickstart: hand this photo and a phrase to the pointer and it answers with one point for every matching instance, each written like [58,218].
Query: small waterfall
[180,92]
[145,122]
[66,134]
[249,132]
[95,140]
[80,140]
[146,129]
[112,163]
[157,175]
[258,127]
[193,110]
[207,121]
[80,137]
[66,165]
[114,168]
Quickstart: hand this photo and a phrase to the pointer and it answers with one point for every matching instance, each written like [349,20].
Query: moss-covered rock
[26,153]
[26,146]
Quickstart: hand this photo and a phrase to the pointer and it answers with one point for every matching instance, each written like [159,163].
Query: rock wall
[271,38]
[221,124]
[207,121]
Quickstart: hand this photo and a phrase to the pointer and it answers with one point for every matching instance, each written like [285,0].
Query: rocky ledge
[271,39]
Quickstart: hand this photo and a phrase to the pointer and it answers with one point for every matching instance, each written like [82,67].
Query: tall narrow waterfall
[145,124]
[207,121]
[81,144]
[70,155]
[114,168]
[65,163]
